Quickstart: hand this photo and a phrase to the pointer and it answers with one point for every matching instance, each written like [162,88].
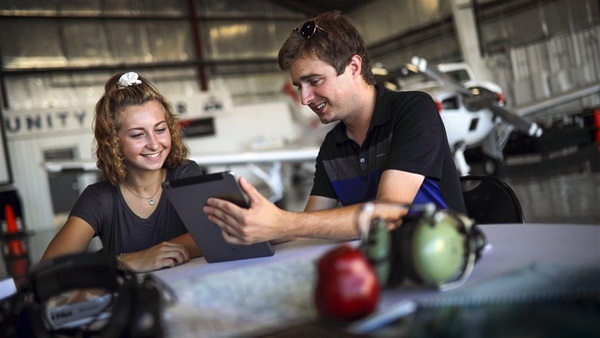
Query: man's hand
[262,221]
[163,255]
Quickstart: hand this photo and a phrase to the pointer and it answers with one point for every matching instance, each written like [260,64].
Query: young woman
[138,146]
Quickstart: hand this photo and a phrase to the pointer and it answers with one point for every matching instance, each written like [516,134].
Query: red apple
[347,286]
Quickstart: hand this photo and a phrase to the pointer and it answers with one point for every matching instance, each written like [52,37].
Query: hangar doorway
[64,186]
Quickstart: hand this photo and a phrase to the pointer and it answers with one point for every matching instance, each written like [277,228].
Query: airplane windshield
[411,80]
[459,75]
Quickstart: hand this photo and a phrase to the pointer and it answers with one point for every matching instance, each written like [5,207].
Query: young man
[387,146]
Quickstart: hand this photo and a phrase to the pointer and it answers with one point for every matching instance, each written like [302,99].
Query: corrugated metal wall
[546,69]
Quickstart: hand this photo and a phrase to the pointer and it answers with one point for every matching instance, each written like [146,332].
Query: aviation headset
[133,303]
[432,247]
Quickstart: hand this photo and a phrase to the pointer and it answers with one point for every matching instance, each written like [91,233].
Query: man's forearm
[337,223]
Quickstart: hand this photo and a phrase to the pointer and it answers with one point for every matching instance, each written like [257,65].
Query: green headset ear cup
[438,248]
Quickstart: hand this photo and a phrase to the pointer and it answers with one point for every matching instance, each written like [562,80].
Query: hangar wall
[58,55]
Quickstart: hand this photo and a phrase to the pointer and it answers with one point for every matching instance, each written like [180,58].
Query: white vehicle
[470,109]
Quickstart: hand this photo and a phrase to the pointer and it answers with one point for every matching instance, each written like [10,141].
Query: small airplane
[474,112]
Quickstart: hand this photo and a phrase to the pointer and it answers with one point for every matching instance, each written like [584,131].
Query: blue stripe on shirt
[347,189]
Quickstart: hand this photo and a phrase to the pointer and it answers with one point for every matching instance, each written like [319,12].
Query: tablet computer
[189,195]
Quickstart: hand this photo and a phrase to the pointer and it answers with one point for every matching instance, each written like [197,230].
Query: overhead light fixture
[390,86]
[412,68]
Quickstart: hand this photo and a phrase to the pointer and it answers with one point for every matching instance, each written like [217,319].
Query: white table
[260,295]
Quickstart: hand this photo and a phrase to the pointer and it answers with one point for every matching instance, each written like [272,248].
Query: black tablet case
[189,195]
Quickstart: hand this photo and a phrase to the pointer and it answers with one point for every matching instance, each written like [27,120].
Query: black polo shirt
[406,133]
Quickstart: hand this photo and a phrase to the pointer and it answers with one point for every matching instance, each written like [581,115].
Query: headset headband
[65,273]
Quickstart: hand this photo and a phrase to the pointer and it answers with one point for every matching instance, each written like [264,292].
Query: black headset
[432,247]
[130,307]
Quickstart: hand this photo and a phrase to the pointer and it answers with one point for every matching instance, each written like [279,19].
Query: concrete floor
[561,189]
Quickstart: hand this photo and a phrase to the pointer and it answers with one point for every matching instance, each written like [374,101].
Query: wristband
[120,265]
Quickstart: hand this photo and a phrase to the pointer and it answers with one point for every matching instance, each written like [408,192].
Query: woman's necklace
[151,198]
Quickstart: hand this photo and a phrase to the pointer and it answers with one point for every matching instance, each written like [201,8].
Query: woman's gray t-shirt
[102,205]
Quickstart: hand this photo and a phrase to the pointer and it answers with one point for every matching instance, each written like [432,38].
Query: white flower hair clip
[128,79]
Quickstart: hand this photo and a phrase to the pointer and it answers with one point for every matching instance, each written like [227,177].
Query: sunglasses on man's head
[308,29]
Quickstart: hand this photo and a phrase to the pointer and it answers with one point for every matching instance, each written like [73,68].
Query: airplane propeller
[476,97]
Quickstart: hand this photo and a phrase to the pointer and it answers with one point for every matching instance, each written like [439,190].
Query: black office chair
[490,200]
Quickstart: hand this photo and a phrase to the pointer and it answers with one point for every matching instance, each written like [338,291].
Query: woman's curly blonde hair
[107,123]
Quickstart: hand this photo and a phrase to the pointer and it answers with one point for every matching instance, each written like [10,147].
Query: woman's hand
[163,255]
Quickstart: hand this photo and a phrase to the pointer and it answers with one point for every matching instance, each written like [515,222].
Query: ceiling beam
[300,6]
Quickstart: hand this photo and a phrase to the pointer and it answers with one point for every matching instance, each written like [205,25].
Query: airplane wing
[558,100]
[529,127]
[257,157]
[279,155]
[476,97]
[418,64]
[272,158]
